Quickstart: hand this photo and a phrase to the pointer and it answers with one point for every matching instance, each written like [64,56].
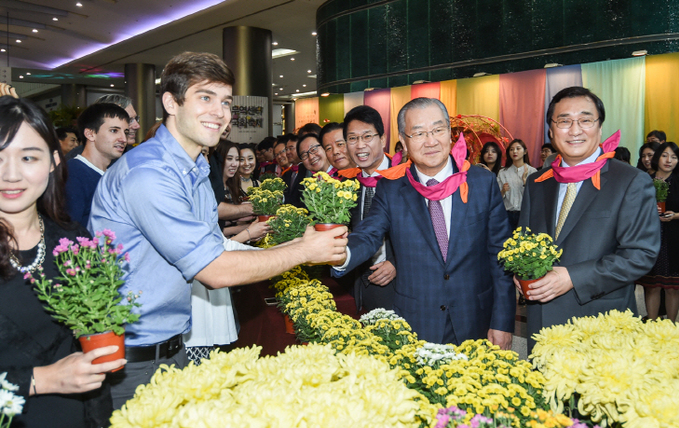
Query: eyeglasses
[134,119]
[366,138]
[282,152]
[312,151]
[420,136]
[583,122]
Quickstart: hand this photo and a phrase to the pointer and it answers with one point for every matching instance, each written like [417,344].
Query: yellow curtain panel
[479,95]
[399,97]
[662,95]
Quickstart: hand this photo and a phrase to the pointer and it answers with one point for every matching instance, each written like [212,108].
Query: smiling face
[646,157]
[202,118]
[366,155]
[336,150]
[575,144]
[291,153]
[248,161]
[313,155]
[667,161]
[280,153]
[431,154]
[545,153]
[134,124]
[25,166]
[231,163]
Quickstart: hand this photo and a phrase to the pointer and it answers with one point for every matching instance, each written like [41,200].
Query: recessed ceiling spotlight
[55,19]
[296,90]
[35,30]
[281,76]
[21,77]
[292,59]
[313,33]
[303,86]
[3,50]
[640,53]
[112,85]
[18,41]
[79,4]
[275,93]
[273,84]
[275,43]
[28,74]
[308,71]
[280,89]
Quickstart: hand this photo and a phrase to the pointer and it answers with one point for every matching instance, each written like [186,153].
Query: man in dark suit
[449,285]
[364,133]
[600,211]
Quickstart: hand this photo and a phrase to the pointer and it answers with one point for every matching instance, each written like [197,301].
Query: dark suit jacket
[470,289]
[370,296]
[611,237]
[293,193]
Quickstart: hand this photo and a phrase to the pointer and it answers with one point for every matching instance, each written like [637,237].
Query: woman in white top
[512,179]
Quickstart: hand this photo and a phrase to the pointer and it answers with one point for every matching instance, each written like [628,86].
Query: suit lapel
[585,197]
[550,189]
[415,203]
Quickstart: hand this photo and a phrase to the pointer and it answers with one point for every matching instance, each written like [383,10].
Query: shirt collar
[446,172]
[383,165]
[590,159]
[182,159]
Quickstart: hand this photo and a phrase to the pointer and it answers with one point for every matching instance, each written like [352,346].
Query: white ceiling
[101,36]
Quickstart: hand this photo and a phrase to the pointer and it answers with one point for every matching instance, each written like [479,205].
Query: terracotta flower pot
[525,283]
[263,218]
[100,340]
[322,227]
[661,207]
[289,327]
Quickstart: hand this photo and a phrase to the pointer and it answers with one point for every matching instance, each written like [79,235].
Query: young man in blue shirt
[159,202]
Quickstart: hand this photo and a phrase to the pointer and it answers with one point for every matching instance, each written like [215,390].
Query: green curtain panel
[331,109]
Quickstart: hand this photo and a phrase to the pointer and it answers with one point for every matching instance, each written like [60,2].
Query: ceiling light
[325,94]
[280,89]
[419,82]
[3,50]
[281,76]
[553,64]
[304,86]
[273,84]
[21,77]
[28,74]
[18,41]
[313,33]
[296,90]
[292,59]
[368,89]
[281,52]
[308,71]
[640,53]
[55,19]
[79,4]
[480,74]
[112,85]
[275,43]
[275,93]
[35,30]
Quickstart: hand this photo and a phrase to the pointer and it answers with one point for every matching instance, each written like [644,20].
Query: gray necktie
[368,194]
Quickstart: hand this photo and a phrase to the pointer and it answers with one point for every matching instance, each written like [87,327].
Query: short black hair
[653,146]
[574,92]
[93,117]
[548,146]
[623,154]
[660,135]
[661,149]
[61,132]
[266,144]
[309,128]
[332,126]
[367,115]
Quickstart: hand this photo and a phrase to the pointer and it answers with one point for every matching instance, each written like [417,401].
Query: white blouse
[513,176]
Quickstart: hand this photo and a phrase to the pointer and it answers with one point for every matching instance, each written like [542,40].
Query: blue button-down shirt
[160,205]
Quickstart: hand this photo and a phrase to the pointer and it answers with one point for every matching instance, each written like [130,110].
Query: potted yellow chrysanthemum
[329,200]
[529,256]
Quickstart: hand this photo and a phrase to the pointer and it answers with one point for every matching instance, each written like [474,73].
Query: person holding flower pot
[38,354]
[665,273]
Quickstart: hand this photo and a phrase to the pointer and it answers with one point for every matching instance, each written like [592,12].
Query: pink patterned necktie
[439,222]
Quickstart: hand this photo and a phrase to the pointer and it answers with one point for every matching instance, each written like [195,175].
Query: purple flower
[64,243]
[27,275]
[127,257]
[71,272]
[109,233]
[76,249]
[119,249]
[442,420]
[68,263]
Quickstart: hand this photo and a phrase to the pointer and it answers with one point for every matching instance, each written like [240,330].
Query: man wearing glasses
[364,136]
[447,223]
[279,153]
[600,211]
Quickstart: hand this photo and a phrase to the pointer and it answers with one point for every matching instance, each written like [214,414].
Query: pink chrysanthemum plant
[85,296]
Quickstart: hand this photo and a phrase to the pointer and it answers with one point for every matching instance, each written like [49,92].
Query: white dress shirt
[447,203]
[563,187]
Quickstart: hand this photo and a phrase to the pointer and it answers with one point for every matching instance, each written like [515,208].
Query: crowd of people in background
[179,199]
